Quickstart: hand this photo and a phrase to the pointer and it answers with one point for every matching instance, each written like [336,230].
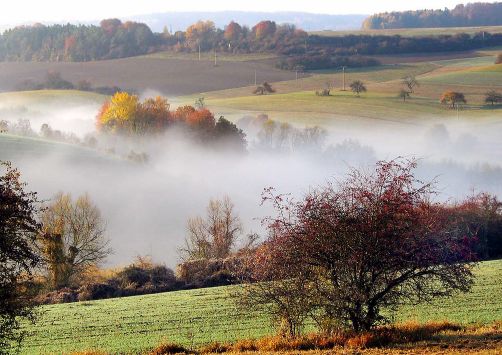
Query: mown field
[414,32]
[170,76]
[134,324]
[295,100]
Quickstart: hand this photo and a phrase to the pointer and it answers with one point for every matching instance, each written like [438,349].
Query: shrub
[169,348]
[215,348]
[209,272]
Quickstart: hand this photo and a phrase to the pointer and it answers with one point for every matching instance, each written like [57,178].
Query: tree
[265,88]
[18,254]
[404,94]
[214,236]
[201,34]
[125,114]
[371,242]
[481,214]
[493,97]
[410,82]
[72,238]
[453,99]
[358,87]
[228,133]
[117,115]
[233,31]
[264,29]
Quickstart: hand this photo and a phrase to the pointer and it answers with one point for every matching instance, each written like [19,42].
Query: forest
[469,15]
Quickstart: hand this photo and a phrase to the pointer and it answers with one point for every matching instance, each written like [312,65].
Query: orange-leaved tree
[453,99]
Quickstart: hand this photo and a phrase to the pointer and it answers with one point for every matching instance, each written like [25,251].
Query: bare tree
[404,94]
[72,237]
[215,235]
[411,83]
[358,87]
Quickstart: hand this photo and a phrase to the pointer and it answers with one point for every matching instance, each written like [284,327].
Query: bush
[325,61]
[169,348]
[209,272]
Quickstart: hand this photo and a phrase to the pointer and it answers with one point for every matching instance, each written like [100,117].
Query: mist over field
[146,205]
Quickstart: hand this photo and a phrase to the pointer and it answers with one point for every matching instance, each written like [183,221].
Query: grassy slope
[414,32]
[48,97]
[296,101]
[199,316]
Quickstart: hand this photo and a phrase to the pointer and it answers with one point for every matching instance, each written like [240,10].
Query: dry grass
[405,338]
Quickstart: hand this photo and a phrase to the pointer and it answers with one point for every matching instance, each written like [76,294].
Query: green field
[49,97]
[134,324]
[413,32]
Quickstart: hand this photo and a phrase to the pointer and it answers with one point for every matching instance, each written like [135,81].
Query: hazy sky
[14,12]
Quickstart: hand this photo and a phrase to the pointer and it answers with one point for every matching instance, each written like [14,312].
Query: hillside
[134,324]
[170,76]
[472,14]
[296,101]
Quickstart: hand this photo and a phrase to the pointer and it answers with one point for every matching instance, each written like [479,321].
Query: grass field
[209,56]
[134,324]
[414,32]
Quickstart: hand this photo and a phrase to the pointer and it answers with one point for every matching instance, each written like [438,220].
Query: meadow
[195,317]
[413,32]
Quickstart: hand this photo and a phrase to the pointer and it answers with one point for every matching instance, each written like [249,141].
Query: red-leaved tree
[350,249]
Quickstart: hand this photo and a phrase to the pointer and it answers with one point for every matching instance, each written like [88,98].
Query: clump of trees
[452,99]
[18,254]
[318,59]
[474,14]
[358,87]
[481,215]
[351,249]
[54,81]
[111,39]
[125,114]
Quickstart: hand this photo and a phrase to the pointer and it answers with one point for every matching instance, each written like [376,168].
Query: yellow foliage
[120,111]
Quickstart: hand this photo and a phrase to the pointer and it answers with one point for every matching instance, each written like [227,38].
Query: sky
[25,11]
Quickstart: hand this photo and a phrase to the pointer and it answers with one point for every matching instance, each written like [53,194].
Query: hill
[135,324]
[472,14]
[412,32]
[179,21]
[181,75]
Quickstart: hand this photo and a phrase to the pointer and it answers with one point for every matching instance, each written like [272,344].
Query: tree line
[472,14]
[112,39]
[298,50]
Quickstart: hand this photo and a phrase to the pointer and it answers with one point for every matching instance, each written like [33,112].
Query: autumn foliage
[124,114]
[350,249]
[452,99]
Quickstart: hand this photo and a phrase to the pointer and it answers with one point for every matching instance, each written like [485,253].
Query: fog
[146,205]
